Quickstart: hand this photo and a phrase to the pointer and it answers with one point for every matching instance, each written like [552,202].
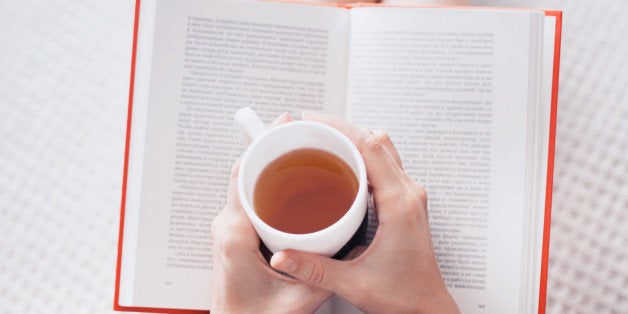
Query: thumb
[314,269]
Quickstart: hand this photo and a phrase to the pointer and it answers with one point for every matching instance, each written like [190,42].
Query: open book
[468,96]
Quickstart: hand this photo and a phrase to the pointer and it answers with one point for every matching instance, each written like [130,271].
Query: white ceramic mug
[269,144]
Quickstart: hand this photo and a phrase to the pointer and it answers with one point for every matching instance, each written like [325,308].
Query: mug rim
[361,174]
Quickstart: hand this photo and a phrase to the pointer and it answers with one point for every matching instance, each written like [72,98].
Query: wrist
[278,306]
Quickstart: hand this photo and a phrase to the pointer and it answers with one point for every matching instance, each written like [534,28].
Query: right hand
[398,272]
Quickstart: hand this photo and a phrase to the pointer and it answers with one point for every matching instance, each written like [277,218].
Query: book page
[452,88]
[208,60]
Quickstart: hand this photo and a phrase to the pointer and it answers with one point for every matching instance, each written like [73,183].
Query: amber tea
[304,191]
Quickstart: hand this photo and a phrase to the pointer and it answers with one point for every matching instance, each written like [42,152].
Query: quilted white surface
[63,94]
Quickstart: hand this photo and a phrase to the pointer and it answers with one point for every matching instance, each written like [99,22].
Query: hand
[398,272]
[243,282]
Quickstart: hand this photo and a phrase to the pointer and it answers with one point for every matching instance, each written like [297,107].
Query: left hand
[243,282]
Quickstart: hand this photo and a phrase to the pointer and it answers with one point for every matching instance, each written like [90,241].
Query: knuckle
[217,225]
[382,136]
[317,273]
[415,201]
[420,192]
[418,198]
[227,245]
[375,146]
[235,169]
[225,234]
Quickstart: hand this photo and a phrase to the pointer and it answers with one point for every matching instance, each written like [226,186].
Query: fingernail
[281,117]
[283,263]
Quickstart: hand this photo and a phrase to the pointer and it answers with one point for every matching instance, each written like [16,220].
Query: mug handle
[250,122]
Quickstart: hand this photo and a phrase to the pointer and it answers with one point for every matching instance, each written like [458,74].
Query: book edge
[116,304]
[127,146]
[550,163]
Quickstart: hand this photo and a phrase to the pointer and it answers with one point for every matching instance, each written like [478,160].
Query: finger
[314,269]
[281,119]
[355,252]
[387,142]
[231,228]
[233,198]
[379,163]
[390,185]
[383,171]
[357,135]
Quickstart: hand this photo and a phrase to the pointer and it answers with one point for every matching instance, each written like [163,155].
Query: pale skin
[396,273]
[243,282]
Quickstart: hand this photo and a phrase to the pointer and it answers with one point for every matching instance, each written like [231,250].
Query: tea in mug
[304,191]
